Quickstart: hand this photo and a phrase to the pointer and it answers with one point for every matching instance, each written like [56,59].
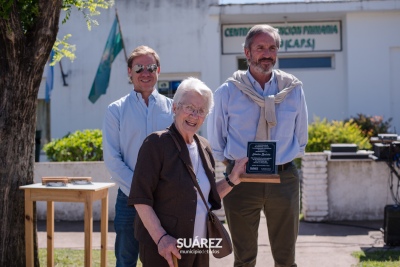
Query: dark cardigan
[162,180]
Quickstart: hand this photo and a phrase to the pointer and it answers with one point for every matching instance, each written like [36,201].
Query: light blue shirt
[234,119]
[127,123]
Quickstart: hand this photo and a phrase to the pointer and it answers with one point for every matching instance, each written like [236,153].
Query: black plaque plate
[262,155]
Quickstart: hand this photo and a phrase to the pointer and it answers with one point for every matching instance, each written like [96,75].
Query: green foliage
[63,49]
[321,134]
[87,7]
[5,7]
[371,125]
[28,10]
[75,257]
[79,146]
[378,258]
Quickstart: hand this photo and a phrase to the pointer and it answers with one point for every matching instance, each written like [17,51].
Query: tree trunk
[23,55]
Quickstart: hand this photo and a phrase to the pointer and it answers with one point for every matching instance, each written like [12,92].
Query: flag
[49,77]
[113,46]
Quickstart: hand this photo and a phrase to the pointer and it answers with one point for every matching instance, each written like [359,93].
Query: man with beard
[261,104]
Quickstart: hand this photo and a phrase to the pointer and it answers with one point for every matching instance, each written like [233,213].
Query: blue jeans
[126,245]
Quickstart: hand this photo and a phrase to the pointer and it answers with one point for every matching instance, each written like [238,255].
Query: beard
[261,68]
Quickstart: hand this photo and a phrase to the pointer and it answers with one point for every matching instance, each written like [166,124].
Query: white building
[346,53]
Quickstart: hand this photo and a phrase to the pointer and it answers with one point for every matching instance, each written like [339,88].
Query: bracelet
[229,181]
[161,238]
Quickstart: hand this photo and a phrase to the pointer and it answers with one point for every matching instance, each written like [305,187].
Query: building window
[168,88]
[242,64]
[296,62]
[304,62]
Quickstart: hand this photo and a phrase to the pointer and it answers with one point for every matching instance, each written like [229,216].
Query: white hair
[193,84]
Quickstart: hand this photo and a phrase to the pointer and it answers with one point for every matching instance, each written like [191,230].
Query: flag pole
[122,37]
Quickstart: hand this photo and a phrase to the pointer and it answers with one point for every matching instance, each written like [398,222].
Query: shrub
[371,125]
[321,134]
[83,145]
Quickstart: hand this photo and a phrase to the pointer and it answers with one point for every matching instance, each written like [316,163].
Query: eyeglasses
[138,68]
[191,110]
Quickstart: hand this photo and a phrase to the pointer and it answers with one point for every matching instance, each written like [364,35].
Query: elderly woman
[163,191]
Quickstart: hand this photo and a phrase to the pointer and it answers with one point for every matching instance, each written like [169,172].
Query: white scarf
[286,83]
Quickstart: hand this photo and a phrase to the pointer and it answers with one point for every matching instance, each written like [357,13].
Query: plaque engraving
[261,166]
[261,156]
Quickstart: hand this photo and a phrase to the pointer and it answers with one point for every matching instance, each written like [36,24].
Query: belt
[284,166]
[230,161]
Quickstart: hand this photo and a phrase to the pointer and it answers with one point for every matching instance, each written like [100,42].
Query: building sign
[296,37]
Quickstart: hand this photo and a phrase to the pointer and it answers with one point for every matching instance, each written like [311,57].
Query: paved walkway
[318,244]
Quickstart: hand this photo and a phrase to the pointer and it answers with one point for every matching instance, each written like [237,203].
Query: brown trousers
[280,203]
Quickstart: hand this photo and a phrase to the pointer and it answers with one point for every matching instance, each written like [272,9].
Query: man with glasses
[126,124]
[261,103]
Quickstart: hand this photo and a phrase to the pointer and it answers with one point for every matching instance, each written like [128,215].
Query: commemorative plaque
[261,166]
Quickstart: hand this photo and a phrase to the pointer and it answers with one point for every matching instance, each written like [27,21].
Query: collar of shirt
[270,87]
[138,96]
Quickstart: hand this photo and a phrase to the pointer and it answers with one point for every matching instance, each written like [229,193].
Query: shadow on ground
[339,228]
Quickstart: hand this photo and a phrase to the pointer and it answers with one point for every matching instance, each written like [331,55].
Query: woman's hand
[166,244]
[238,169]
[224,186]
[167,248]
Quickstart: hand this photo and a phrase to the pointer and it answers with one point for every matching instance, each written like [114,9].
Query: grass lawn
[74,257]
[383,257]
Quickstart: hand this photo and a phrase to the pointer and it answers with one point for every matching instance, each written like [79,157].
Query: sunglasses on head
[138,68]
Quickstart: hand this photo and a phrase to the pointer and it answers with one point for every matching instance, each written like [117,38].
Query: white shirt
[234,120]
[127,122]
[200,227]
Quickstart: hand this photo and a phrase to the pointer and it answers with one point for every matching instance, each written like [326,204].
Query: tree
[28,31]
